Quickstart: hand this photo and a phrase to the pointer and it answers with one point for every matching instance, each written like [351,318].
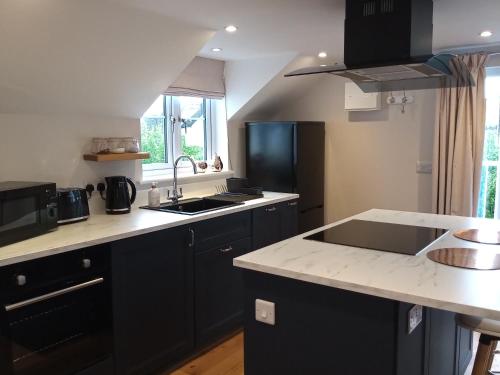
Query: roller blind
[202,78]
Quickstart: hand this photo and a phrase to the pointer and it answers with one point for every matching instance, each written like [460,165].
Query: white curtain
[459,143]
[202,78]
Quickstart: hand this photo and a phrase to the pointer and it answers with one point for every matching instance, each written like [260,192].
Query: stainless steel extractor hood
[388,47]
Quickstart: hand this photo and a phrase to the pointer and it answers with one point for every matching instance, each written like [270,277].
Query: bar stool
[490,335]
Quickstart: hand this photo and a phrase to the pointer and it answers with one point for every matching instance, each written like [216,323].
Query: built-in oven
[56,314]
[27,209]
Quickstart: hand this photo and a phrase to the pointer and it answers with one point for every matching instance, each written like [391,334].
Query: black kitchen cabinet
[266,226]
[222,230]
[176,291]
[152,300]
[464,344]
[218,284]
[445,339]
[274,223]
[218,291]
[324,330]
[289,219]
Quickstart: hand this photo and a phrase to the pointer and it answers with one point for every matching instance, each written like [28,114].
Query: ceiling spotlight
[486,34]
[323,65]
[217,49]
[231,29]
[322,55]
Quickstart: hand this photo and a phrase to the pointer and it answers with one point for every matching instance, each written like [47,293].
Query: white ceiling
[277,26]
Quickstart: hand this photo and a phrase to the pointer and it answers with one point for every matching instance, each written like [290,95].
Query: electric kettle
[118,199]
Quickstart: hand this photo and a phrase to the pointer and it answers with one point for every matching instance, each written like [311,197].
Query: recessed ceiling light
[322,55]
[231,28]
[486,34]
[216,49]
[323,65]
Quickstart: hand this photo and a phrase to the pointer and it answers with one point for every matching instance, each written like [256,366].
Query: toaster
[72,205]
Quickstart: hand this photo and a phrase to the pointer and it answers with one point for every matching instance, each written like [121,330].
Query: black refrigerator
[289,157]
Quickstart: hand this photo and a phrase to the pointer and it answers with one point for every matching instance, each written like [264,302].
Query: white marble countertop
[412,279]
[102,228]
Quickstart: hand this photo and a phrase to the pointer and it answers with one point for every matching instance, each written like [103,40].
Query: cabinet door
[152,300]
[266,226]
[289,219]
[443,345]
[218,291]
[464,349]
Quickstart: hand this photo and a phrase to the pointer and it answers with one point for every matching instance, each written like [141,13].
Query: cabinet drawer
[266,226]
[274,223]
[222,230]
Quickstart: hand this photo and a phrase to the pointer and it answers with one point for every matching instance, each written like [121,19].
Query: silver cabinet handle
[271,209]
[57,293]
[292,204]
[191,243]
[226,250]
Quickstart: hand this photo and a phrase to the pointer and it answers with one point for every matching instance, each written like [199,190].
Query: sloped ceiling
[277,90]
[90,56]
[266,27]
[245,78]
[308,26]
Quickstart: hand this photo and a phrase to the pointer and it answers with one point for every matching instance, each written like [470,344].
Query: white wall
[89,57]
[494,60]
[50,148]
[371,157]
[245,78]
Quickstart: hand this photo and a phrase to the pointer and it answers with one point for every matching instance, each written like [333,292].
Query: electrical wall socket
[424,167]
[414,317]
[264,312]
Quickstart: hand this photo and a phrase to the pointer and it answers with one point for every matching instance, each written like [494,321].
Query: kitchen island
[344,310]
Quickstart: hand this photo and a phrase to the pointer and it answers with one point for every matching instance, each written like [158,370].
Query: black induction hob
[374,235]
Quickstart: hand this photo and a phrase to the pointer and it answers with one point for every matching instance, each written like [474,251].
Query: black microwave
[27,209]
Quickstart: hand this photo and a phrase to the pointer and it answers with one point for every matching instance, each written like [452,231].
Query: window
[488,194]
[180,125]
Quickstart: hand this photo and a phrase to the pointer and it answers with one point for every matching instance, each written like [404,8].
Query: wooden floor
[225,359]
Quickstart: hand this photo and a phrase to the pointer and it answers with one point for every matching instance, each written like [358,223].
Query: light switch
[264,312]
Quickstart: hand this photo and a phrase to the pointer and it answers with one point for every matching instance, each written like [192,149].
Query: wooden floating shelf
[115,157]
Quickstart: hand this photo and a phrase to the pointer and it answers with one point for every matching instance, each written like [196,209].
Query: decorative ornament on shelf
[202,165]
[218,165]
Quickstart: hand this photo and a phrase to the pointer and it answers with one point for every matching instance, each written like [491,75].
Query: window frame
[487,164]
[173,132]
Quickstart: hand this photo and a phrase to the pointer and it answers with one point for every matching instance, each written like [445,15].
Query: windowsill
[184,176]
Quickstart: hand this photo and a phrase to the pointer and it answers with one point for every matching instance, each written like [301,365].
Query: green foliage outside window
[491,153]
[153,139]
[196,152]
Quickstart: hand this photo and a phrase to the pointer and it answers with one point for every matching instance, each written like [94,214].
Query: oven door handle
[51,295]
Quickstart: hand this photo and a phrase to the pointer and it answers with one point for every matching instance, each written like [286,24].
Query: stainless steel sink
[194,206]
